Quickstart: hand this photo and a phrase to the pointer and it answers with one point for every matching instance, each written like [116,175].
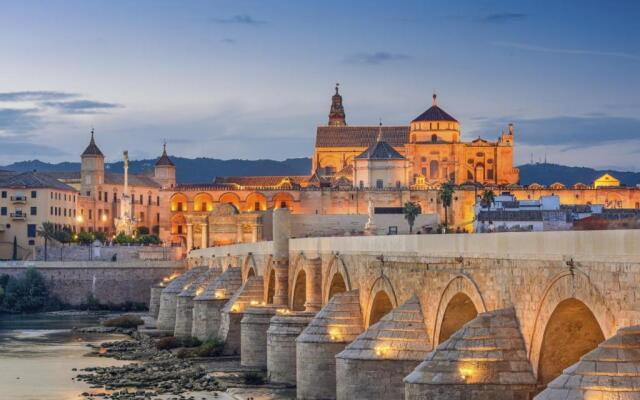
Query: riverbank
[172,374]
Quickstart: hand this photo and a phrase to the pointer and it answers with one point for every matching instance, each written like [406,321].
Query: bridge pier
[154,300]
[338,323]
[281,346]
[253,336]
[184,303]
[485,359]
[373,365]
[207,307]
[250,293]
[169,299]
[607,372]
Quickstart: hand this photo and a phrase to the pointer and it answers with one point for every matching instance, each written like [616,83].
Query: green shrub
[124,321]
[210,348]
[190,342]
[84,237]
[27,293]
[167,343]
[101,236]
[253,378]
[184,353]
[148,239]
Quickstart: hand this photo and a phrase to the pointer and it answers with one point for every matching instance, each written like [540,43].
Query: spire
[435,102]
[379,138]
[336,114]
[92,149]
[164,158]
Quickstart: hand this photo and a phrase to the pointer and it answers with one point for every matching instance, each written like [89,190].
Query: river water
[38,352]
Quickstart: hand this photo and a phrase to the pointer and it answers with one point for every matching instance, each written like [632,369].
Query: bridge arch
[337,281]
[382,299]
[570,302]
[249,268]
[459,303]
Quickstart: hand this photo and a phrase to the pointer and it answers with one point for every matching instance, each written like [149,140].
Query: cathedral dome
[435,113]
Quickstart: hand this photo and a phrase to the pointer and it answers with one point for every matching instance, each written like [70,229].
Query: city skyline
[227,80]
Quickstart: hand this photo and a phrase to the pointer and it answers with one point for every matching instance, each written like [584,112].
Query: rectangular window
[31,230]
[34,210]
[90,214]
[115,197]
[149,200]
[34,194]
[379,184]
[158,218]
[4,194]
[158,200]
[106,197]
[141,200]
[51,210]
[99,196]
[3,210]
[51,194]
[141,216]
[489,174]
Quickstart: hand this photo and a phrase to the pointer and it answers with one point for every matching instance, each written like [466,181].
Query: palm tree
[411,211]
[446,197]
[488,198]
[47,231]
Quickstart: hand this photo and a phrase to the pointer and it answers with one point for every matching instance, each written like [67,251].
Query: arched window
[433,169]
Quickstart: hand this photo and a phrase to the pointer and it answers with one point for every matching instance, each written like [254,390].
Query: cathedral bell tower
[336,114]
[91,168]
[164,171]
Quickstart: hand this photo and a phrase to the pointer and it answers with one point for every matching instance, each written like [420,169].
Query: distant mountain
[547,174]
[188,170]
[201,170]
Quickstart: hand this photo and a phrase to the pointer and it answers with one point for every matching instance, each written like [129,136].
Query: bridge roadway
[462,316]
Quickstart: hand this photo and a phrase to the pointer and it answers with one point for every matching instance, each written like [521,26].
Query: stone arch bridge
[504,315]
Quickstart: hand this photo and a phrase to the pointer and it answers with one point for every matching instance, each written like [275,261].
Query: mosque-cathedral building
[352,167]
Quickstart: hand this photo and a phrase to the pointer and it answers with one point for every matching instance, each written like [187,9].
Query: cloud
[240,19]
[501,18]
[542,49]
[375,58]
[11,148]
[17,121]
[229,41]
[571,131]
[81,106]
[40,95]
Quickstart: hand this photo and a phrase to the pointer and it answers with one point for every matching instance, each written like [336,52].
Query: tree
[411,211]
[446,197]
[47,231]
[488,198]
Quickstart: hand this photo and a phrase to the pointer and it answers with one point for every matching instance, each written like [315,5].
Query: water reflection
[39,351]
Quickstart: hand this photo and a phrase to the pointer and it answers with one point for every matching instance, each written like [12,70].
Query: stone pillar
[239,233]
[189,237]
[313,285]
[281,232]
[281,346]
[253,336]
[336,325]
[205,236]
[154,301]
[281,289]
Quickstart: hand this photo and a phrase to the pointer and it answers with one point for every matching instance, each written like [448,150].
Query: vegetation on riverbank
[28,293]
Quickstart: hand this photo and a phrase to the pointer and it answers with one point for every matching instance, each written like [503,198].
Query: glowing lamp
[254,302]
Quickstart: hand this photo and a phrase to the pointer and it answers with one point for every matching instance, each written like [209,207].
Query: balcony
[18,215]
[19,199]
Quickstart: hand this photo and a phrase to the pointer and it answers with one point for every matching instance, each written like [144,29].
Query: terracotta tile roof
[380,151]
[435,113]
[360,136]
[259,181]
[34,180]
[113,178]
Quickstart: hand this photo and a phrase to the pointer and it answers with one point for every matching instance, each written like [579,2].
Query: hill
[198,170]
[188,170]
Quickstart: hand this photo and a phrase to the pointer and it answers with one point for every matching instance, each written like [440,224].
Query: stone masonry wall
[108,282]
